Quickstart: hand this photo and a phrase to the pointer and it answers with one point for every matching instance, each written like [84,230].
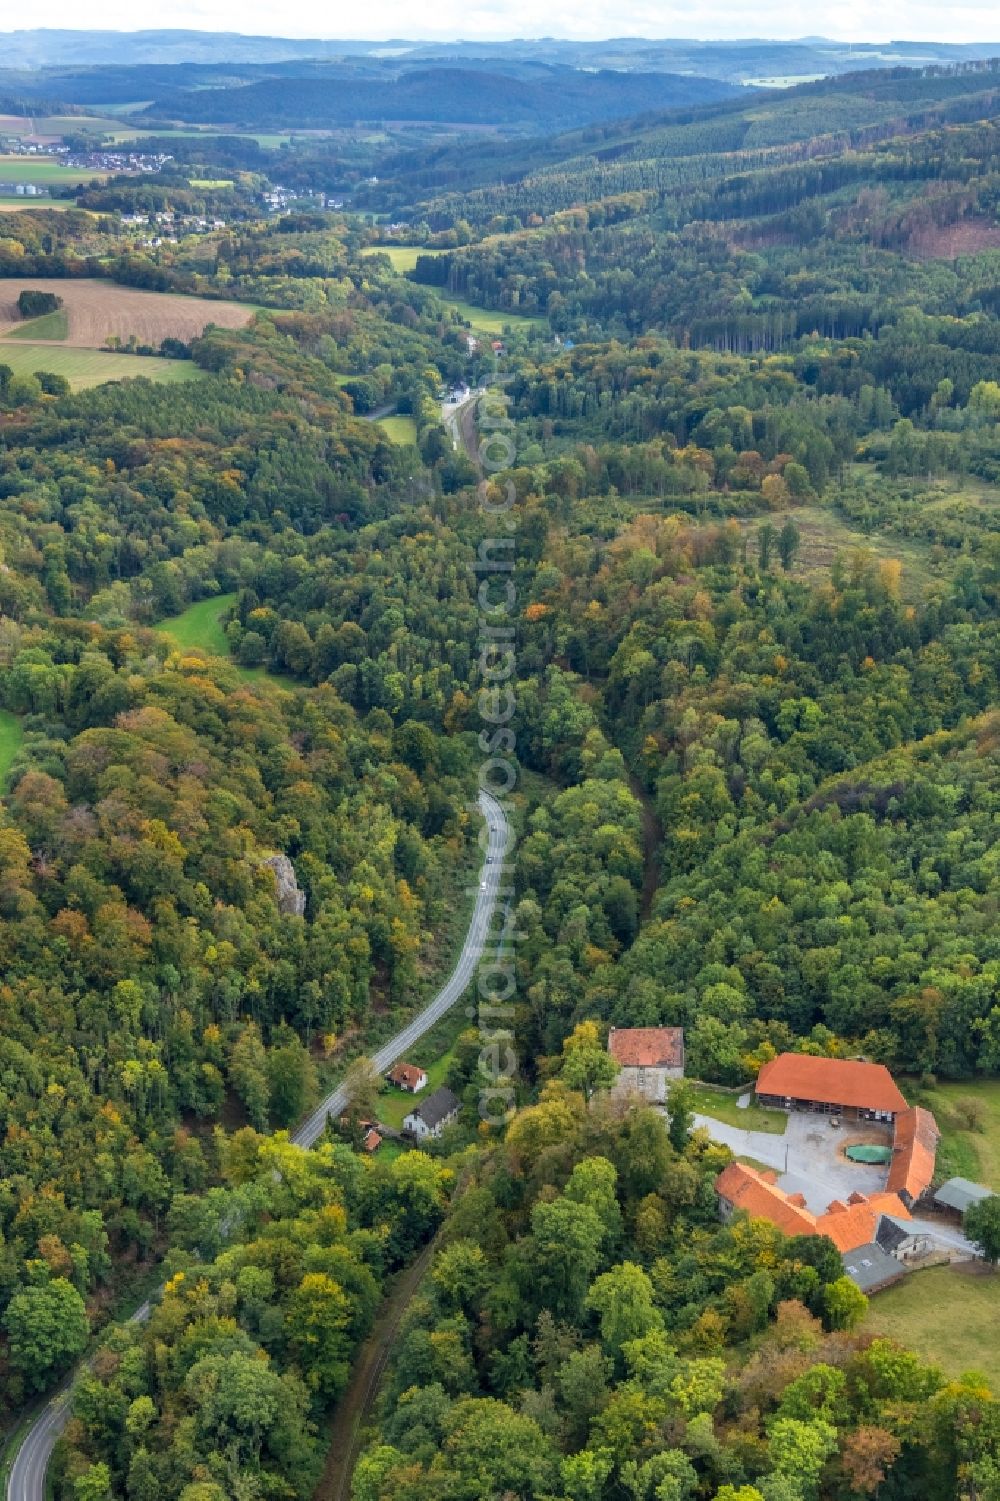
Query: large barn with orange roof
[833,1086]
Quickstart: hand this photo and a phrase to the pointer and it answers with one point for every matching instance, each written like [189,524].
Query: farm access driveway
[808,1161]
[807,1157]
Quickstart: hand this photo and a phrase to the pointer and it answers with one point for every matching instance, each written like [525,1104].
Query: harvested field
[15,205]
[97,309]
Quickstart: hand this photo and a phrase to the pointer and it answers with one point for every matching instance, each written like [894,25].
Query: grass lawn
[91,367]
[390,1150]
[489,320]
[723,1107]
[394,1104]
[400,430]
[402,257]
[48,326]
[963,1153]
[200,625]
[11,735]
[46,171]
[211,182]
[945,1314]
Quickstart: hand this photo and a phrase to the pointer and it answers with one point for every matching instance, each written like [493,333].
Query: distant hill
[46,48]
[741,61]
[643,155]
[553,98]
[527,86]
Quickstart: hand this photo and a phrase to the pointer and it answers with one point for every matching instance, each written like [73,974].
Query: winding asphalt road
[27,1476]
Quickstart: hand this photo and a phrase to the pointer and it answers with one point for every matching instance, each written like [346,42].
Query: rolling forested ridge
[741,360]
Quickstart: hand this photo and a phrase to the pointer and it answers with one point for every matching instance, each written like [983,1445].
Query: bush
[36,304]
[52,384]
[969,1111]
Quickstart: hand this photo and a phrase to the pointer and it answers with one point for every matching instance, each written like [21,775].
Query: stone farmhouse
[649,1058]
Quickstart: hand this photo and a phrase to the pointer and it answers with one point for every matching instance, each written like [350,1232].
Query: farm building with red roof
[863,1221]
[914,1154]
[834,1086]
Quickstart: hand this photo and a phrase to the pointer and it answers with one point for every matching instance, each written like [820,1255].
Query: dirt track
[96,309]
[357,1405]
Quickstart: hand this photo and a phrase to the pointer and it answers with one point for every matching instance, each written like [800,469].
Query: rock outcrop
[291,898]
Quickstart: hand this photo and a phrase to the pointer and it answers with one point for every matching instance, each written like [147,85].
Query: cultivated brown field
[96,309]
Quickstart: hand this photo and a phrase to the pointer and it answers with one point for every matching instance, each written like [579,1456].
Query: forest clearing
[11,736]
[200,628]
[399,429]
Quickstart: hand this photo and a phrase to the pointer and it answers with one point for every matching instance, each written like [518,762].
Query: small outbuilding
[899,1239]
[871,1268]
[959,1194]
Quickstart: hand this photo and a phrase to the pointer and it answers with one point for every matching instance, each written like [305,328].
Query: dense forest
[744,360]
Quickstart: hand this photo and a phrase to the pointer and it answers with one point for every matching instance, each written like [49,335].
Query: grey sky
[855,20]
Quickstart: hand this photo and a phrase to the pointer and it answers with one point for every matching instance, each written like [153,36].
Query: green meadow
[91,367]
[400,430]
[200,625]
[48,326]
[43,170]
[200,628]
[11,735]
[489,320]
[402,257]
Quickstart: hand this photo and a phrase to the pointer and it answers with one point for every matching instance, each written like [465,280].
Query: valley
[499,576]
